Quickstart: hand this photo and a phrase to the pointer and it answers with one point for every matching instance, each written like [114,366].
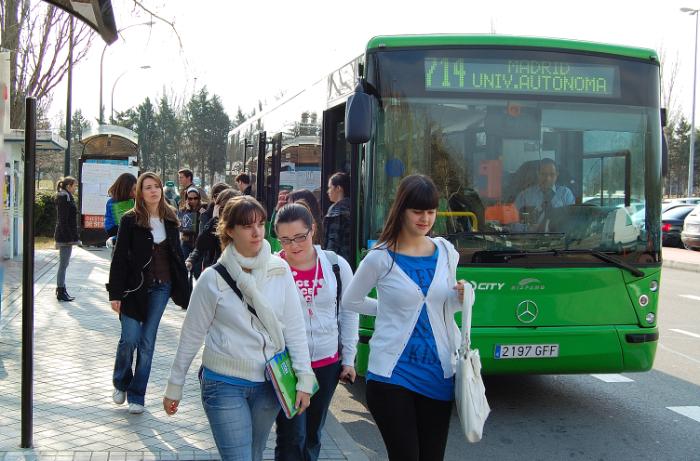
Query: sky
[253,50]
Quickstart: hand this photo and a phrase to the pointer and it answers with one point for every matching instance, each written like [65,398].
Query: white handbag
[470,393]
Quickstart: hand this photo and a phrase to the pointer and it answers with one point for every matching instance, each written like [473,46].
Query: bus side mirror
[664,155]
[358,117]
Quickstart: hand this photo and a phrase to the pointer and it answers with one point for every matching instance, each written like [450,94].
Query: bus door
[339,155]
[260,142]
[273,154]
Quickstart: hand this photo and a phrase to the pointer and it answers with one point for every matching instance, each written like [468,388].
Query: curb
[684,266]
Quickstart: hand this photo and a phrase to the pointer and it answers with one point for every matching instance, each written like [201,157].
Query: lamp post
[691,154]
[117,80]
[102,60]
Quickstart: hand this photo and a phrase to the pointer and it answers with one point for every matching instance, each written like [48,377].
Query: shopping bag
[280,372]
[470,393]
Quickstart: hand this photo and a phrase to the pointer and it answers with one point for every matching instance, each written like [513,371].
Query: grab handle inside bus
[358,116]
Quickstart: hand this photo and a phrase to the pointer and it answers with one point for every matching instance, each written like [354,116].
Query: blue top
[419,368]
[214,376]
[109,216]
[534,197]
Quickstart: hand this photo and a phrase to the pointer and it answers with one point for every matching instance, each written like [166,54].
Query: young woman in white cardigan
[239,402]
[410,378]
[332,330]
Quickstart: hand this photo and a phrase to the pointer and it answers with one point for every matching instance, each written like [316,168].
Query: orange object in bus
[504,214]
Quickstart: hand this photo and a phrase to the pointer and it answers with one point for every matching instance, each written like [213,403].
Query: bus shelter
[107,152]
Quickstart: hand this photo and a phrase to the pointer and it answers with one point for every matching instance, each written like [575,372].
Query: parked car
[688,200]
[690,236]
[672,225]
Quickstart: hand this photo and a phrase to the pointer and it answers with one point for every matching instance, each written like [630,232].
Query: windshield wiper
[507,255]
[607,258]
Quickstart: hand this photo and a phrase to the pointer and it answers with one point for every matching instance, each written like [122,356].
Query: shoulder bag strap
[218,267]
[333,258]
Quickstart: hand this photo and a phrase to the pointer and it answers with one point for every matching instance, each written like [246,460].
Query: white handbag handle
[467,305]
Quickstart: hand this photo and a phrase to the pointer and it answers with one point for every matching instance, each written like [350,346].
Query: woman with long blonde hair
[147,269]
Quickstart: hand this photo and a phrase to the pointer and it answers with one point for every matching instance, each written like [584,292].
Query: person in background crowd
[410,378]
[172,197]
[240,333]
[243,183]
[307,196]
[331,330]
[207,248]
[189,216]
[147,268]
[206,216]
[66,233]
[338,223]
[121,200]
[185,178]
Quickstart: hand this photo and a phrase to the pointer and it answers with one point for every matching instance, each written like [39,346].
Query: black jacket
[66,219]
[128,281]
[207,249]
[337,225]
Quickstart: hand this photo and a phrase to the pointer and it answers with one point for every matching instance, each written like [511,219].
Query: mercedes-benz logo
[527,311]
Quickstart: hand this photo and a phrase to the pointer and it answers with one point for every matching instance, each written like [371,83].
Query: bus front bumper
[591,349]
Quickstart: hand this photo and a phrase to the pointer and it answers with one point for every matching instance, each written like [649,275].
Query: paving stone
[75,418]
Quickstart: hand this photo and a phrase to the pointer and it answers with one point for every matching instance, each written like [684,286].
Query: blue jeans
[299,438]
[240,417]
[139,336]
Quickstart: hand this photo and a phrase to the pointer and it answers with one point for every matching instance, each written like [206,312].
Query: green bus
[566,285]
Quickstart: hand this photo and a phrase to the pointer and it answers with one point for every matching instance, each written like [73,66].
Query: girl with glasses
[239,402]
[332,330]
[410,379]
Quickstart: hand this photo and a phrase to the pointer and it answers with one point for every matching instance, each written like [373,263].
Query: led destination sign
[524,76]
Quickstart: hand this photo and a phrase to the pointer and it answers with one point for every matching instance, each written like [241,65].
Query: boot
[62,294]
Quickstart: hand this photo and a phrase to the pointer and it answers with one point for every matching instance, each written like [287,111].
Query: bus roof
[402,41]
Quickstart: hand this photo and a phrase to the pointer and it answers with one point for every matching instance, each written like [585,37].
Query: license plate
[526,351]
[692,228]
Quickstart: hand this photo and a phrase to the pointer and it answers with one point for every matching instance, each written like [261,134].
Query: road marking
[690,412]
[679,353]
[693,297]
[613,378]
[683,332]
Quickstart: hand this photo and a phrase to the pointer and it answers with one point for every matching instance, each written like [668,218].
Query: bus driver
[536,201]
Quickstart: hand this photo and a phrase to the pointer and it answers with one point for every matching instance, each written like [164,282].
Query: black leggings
[414,427]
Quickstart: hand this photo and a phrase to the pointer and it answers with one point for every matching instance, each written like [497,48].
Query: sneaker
[135,408]
[118,396]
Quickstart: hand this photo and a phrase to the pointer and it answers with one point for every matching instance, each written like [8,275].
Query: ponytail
[63,183]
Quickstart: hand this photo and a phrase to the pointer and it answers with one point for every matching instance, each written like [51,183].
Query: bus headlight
[654,285]
[650,318]
[643,300]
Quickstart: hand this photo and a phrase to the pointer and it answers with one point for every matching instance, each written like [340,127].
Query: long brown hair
[122,187]
[165,211]
[416,192]
[239,211]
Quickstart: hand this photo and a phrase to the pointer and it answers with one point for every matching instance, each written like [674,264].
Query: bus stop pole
[28,274]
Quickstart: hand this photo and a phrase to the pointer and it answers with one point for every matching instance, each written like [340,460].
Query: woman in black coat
[207,249]
[66,234]
[147,268]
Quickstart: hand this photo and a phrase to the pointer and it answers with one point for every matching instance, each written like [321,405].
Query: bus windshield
[531,151]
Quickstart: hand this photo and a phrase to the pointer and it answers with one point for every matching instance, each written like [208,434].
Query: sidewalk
[74,416]
[680,258]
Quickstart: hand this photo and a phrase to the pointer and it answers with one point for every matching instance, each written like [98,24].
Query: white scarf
[261,265]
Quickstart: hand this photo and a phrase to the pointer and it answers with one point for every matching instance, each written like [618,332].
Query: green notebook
[279,370]
[119,208]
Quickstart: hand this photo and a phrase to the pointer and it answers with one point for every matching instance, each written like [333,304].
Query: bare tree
[669,73]
[38,36]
